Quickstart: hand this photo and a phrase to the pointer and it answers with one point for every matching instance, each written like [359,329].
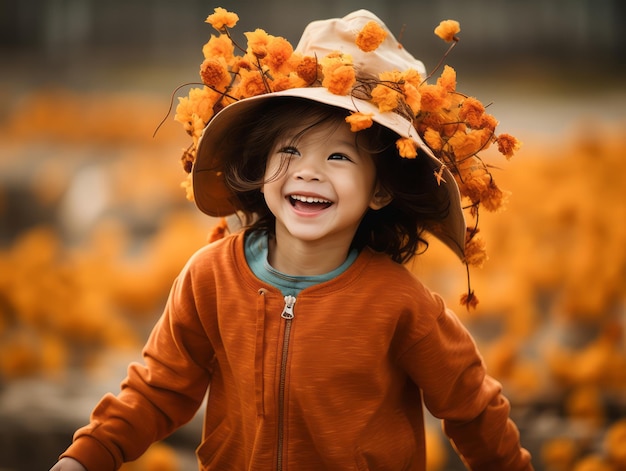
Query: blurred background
[94,225]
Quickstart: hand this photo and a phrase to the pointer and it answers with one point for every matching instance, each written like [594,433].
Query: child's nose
[308,170]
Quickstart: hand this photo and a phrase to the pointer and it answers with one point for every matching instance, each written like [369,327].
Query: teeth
[309,199]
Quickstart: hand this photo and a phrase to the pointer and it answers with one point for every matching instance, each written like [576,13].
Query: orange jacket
[332,382]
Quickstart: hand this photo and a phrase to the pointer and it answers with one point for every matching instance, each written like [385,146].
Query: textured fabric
[337,387]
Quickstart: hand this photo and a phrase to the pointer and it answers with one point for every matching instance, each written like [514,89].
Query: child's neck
[302,258]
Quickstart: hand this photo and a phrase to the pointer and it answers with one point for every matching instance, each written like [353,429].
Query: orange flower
[407,147]
[287,82]
[469,300]
[471,112]
[197,126]
[433,139]
[447,80]
[307,69]
[199,103]
[222,18]
[219,46]
[447,30]
[475,184]
[386,98]
[412,97]
[433,97]
[339,75]
[412,77]
[257,42]
[251,84]
[489,122]
[467,144]
[359,121]
[187,185]
[341,80]
[187,160]
[475,252]
[507,145]
[370,37]
[493,198]
[215,74]
[279,50]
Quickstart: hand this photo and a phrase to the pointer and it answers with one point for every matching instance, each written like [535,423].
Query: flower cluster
[455,126]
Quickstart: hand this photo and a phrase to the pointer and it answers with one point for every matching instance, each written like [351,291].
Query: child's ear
[380,199]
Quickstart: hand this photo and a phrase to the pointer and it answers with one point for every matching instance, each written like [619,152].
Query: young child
[317,346]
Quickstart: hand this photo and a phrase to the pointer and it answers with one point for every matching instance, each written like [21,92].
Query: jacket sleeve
[157,396]
[449,370]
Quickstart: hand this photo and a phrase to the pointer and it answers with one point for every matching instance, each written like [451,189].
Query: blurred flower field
[95,226]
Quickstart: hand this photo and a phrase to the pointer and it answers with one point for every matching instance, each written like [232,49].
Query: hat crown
[323,37]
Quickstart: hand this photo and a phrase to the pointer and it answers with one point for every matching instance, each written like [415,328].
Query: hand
[68,464]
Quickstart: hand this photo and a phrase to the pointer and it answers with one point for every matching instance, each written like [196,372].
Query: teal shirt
[256,255]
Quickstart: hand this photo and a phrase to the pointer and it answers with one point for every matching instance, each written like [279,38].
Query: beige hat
[319,39]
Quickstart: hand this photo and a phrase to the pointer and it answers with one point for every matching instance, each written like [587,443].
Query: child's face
[324,187]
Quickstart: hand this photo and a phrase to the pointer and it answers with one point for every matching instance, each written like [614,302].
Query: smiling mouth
[309,203]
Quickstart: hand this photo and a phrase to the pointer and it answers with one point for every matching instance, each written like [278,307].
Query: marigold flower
[392,76]
[370,37]
[385,97]
[489,122]
[222,18]
[279,50]
[471,112]
[475,185]
[187,185]
[507,145]
[219,46]
[466,144]
[257,42]
[475,252]
[447,80]
[287,82]
[187,160]
[251,84]
[469,300]
[407,147]
[307,69]
[242,63]
[197,126]
[493,198]
[433,139]
[359,121]
[339,78]
[433,97]
[412,97]
[447,30]
[214,74]
[412,77]
[199,102]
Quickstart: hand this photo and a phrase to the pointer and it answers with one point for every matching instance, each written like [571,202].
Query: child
[318,347]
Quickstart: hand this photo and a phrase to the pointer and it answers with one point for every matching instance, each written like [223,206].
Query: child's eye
[339,157]
[289,150]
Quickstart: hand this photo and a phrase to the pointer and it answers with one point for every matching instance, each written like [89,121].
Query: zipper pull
[288,309]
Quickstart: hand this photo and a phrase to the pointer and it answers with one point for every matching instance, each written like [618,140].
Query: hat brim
[214,198]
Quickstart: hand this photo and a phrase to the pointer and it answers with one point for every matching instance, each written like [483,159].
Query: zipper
[288,315]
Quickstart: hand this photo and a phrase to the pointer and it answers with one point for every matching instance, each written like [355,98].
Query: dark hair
[397,229]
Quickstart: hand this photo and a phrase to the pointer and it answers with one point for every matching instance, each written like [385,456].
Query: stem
[169,110]
[441,61]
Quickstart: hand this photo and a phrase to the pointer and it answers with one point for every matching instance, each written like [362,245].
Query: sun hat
[354,63]
[319,39]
